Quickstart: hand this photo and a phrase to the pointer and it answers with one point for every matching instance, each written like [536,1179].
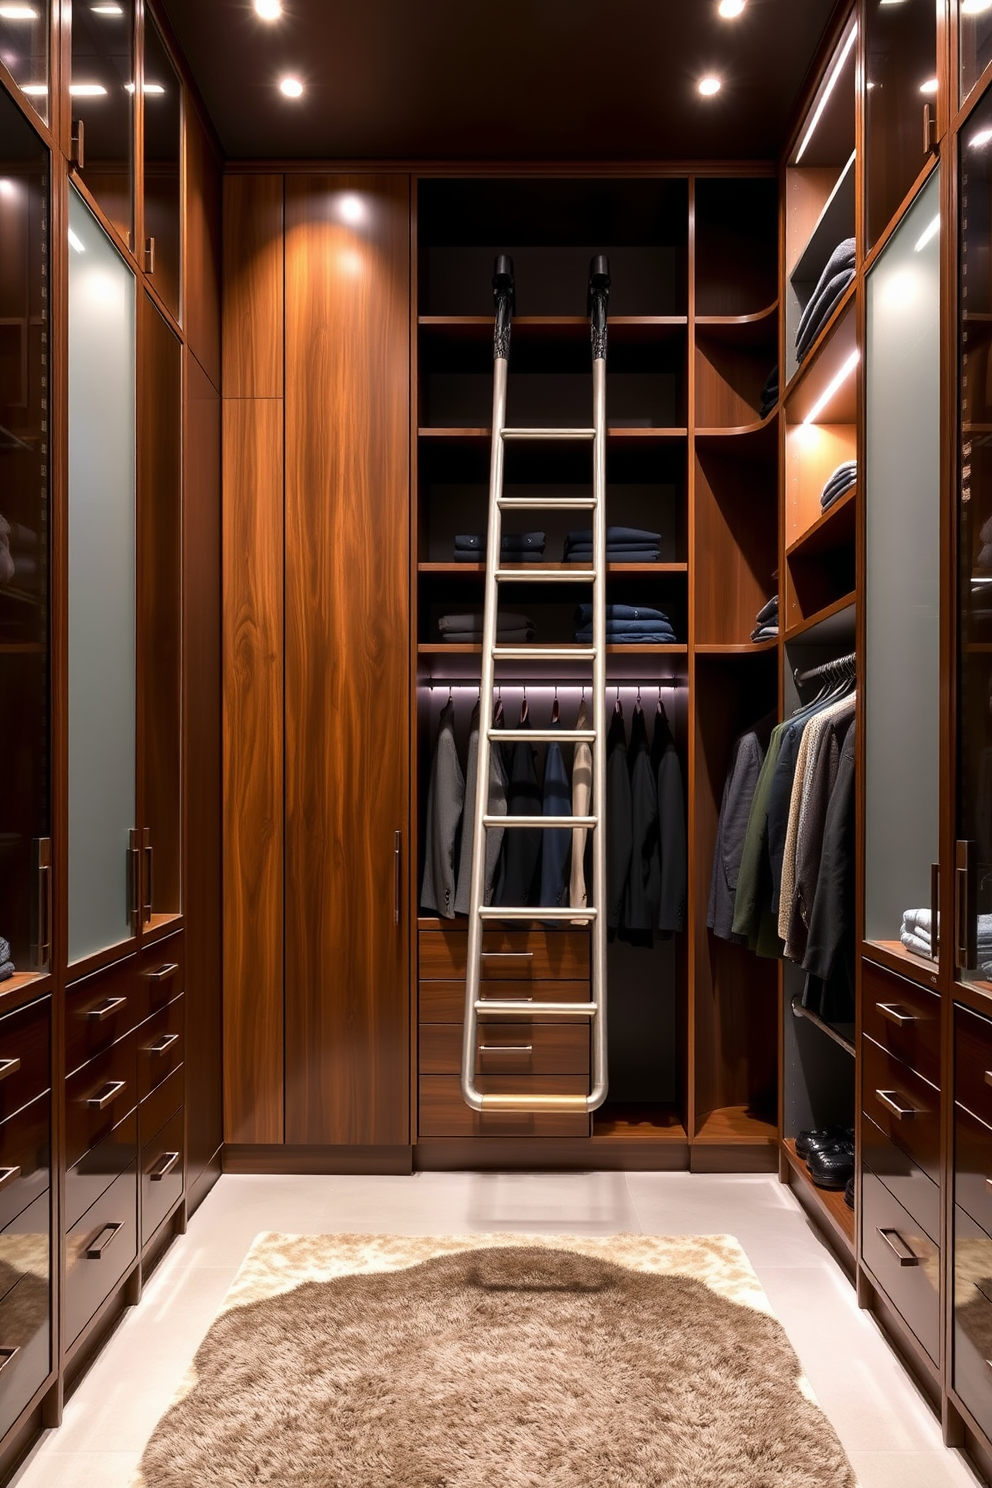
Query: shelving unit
[827,1203]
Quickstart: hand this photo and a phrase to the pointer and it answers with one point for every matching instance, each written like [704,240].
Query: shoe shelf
[828,1203]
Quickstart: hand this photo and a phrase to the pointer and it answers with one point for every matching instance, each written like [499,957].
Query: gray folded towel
[7,967]
[842,258]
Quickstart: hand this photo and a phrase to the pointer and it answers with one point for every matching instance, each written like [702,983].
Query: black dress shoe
[831,1167]
[849,1192]
[826,1136]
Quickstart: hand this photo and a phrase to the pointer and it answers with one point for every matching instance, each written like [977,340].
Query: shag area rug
[495,1361]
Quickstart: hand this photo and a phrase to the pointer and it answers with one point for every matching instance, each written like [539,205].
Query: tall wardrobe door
[347,657]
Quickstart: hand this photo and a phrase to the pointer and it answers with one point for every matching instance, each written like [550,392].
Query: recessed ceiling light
[975,7]
[929,87]
[269,10]
[730,8]
[75,242]
[708,86]
[291,87]
[148,88]
[981,138]
[87,90]
[7,188]
[18,13]
[107,10]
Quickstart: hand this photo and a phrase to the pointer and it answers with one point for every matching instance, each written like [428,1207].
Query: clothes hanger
[524,709]
[498,710]
[555,709]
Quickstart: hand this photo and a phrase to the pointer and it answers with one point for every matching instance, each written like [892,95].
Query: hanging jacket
[672,846]
[581,806]
[445,799]
[497,807]
[556,843]
[619,843]
[522,846]
[735,809]
[829,958]
[642,901]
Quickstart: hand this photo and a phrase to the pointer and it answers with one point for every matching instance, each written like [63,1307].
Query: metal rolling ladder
[595,656]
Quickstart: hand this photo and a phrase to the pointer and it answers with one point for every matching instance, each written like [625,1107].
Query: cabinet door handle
[965,909]
[78,155]
[8,1176]
[166,1164]
[935,911]
[43,858]
[889,1101]
[7,1356]
[134,879]
[895,1014]
[104,1237]
[165,1042]
[899,1248]
[929,129]
[149,255]
[9,1067]
[506,1049]
[397,875]
[107,1095]
[163,974]
[149,856]
[104,1009]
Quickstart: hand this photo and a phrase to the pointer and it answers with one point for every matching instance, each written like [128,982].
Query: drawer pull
[508,955]
[165,1042]
[94,1252]
[895,1014]
[109,1093]
[98,1014]
[9,1067]
[8,1176]
[7,1356]
[506,1049]
[164,974]
[889,1101]
[899,1248]
[165,1166]
[516,999]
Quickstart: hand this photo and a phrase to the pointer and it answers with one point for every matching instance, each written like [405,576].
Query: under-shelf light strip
[537,689]
[831,85]
[835,384]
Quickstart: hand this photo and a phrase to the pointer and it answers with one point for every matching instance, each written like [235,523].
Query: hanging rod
[826,669]
[537,683]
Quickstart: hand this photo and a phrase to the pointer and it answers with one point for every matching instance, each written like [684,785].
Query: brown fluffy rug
[528,1363]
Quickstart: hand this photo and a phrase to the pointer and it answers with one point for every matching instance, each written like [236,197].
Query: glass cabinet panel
[102,97]
[24,32]
[974,42]
[163,134]
[103,895]
[25,766]
[901,82]
[902,595]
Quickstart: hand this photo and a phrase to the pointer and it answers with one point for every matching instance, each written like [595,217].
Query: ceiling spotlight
[18,13]
[268,10]
[87,90]
[729,9]
[291,87]
[709,85]
[929,87]
[7,188]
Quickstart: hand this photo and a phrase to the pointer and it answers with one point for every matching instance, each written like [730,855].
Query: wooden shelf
[835,529]
[735,1126]
[977,648]
[829,1203]
[742,648]
[624,330]
[22,648]
[836,1034]
[469,648]
[723,433]
[834,224]
[836,613]
[832,347]
[23,981]
[895,950]
[637,1123]
[731,322]
[648,570]
[618,435]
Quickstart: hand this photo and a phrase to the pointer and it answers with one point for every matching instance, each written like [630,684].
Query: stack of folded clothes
[766,621]
[623,545]
[829,1157]
[769,393]
[6,965]
[837,275]
[917,936]
[631,625]
[843,479]
[515,547]
[511,628]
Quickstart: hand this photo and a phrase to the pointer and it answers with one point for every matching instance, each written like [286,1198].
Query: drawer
[973,1063]
[25,1056]
[972,1366]
[904,1019]
[160,1046]
[99,1248]
[97,1169]
[99,1011]
[25,1157]
[510,955]
[161,1176]
[903,1259]
[973,1167]
[507,1049]
[97,1097]
[444,1002]
[165,1100]
[161,975]
[443,1113]
[25,1246]
[890,1088]
[904,1179]
[25,1345]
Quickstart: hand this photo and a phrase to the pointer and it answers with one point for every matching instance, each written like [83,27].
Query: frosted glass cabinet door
[101,586]
[901,706]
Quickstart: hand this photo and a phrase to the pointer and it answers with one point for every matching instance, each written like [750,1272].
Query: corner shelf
[829,1203]
[827,625]
[741,648]
[836,341]
[835,529]
[624,330]
[735,1126]
[834,224]
[617,1122]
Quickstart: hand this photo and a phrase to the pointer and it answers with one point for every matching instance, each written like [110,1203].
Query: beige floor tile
[50,1469]
[941,1469]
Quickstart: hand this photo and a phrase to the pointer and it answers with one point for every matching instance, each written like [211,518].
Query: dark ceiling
[516,80]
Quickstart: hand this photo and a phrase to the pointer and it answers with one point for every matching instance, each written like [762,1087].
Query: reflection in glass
[102,97]
[163,126]
[901,71]
[975,40]
[24,538]
[24,31]
[101,586]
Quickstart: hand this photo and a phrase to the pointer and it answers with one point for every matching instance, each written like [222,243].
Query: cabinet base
[241,1157]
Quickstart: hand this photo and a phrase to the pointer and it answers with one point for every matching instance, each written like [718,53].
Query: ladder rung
[550,433]
[544,575]
[545,503]
[544,653]
[529,912]
[504,1008]
[539,822]
[538,1104]
[542,736]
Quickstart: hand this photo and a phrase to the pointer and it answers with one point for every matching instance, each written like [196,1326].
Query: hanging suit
[735,809]
[619,842]
[672,849]
[642,900]
[522,847]
[581,806]
[557,842]
[445,799]
[497,807]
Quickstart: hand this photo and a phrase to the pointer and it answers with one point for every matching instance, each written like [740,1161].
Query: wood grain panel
[347,650]
[253,287]
[253,770]
[509,1048]
[511,955]
[443,1113]
[201,283]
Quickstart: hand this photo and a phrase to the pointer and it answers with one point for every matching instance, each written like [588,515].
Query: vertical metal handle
[398,875]
[134,880]
[42,948]
[965,911]
[929,128]
[77,155]
[149,255]
[935,911]
[149,857]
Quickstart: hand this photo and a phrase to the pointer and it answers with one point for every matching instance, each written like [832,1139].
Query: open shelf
[743,648]
[21,982]
[834,224]
[648,570]
[733,1126]
[464,648]
[736,330]
[842,1035]
[616,1122]
[831,349]
[828,1203]
[834,621]
[624,330]
[909,959]
[834,529]
[617,434]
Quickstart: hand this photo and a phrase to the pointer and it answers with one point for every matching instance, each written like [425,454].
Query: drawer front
[98,1250]
[903,1259]
[161,975]
[25,1345]
[25,1056]
[973,1063]
[973,1167]
[97,1169]
[507,955]
[507,1049]
[98,1097]
[165,1100]
[99,1011]
[890,1088]
[161,1176]
[972,1367]
[904,1179]
[25,1157]
[160,1046]
[444,1002]
[25,1247]
[443,1113]
[904,1019]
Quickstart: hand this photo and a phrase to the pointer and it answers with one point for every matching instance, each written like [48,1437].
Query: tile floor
[891,1436]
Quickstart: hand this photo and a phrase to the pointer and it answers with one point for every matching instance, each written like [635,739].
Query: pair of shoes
[826,1136]
[849,1192]
[832,1166]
